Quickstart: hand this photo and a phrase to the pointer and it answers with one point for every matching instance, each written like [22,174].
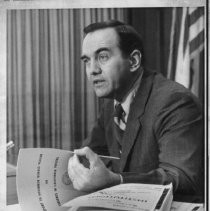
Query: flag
[186,56]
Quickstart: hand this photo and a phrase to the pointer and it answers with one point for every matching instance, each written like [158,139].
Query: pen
[104,156]
[109,157]
[10,144]
[86,162]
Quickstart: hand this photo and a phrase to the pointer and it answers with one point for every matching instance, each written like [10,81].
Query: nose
[94,68]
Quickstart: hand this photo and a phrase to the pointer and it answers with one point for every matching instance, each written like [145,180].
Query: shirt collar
[130,96]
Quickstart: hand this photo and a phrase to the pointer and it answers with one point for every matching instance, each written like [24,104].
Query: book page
[184,206]
[43,183]
[127,197]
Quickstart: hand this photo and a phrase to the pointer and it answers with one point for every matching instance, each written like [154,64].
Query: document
[132,197]
[183,206]
[176,206]
[43,184]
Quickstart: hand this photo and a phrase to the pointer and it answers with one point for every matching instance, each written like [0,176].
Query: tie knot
[118,111]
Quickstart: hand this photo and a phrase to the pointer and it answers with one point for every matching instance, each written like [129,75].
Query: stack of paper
[43,184]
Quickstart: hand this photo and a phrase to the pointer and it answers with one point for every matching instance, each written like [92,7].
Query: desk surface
[12,200]
[176,206]
[11,185]
[14,207]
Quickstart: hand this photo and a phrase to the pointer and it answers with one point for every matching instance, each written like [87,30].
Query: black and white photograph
[104,105]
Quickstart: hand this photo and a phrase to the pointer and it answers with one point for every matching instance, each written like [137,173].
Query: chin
[100,94]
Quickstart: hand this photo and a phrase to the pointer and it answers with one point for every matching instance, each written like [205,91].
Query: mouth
[98,82]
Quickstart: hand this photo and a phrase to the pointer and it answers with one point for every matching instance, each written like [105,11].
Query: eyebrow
[96,52]
[83,57]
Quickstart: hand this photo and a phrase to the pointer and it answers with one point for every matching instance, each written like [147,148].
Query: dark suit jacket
[163,141]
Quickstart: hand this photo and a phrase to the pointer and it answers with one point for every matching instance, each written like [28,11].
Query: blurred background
[49,101]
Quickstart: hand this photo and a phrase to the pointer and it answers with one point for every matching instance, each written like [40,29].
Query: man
[158,135]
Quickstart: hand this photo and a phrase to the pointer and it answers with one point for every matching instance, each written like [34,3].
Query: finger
[83,151]
[88,153]
[76,170]
[77,184]
[73,165]
[80,171]
[71,171]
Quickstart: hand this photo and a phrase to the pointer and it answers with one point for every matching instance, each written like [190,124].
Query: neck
[121,98]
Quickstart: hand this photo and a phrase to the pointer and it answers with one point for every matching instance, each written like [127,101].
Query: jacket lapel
[137,108]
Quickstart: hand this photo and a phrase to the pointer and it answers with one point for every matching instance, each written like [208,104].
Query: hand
[97,176]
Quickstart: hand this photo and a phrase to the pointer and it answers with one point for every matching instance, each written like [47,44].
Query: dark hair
[129,38]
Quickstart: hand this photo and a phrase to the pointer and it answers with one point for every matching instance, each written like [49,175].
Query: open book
[43,184]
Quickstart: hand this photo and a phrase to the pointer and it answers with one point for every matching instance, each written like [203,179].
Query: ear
[135,60]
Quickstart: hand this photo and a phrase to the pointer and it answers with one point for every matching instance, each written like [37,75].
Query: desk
[11,185]
[14,207]
[176,206]
[12,199]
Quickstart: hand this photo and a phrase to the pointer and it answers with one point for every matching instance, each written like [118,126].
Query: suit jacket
[163,141]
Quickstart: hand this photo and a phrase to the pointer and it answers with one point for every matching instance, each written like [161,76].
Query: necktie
[119,113]
[118,117]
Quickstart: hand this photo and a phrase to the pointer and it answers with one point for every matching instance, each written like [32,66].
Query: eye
[86,60]
[103,57]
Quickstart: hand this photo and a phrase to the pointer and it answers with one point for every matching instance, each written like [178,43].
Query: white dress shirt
[126,102]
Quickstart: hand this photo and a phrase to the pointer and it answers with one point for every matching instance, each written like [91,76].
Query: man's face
[106,68]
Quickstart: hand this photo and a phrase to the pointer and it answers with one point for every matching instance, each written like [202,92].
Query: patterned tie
[119,113]
[119,116]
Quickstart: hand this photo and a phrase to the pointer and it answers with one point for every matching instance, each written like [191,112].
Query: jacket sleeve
[179,132]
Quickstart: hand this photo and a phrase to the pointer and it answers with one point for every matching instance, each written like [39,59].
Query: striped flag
[186,57]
